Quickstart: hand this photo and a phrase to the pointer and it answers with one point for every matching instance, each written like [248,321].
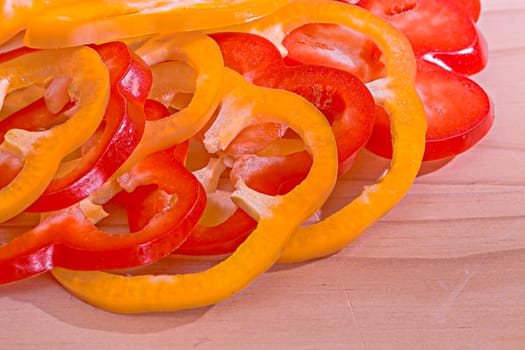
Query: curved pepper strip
[222,227]
[43,151]
[174,93]
[340,95]
[69,239]
[223,238]
[277,216]
[93,21]
[439,42]
[201,53]
[16,14]
[123,130]
[395,92]
[33,117]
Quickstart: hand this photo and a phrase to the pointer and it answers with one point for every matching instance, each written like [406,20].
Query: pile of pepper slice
[218,128]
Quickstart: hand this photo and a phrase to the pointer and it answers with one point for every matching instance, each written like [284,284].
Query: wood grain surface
[444,270]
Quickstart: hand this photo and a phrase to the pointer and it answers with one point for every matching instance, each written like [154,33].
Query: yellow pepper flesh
[395,92]
[96,21]
[16,14]
[202,54]
[278,216]
[42,151]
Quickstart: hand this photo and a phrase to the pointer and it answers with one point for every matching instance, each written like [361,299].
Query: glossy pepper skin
[92,21]
[218,239]
[342,97]
[394,91]
[277,216]
[42,151]
[120,131]
[200,52]
[16,14]
[459,111]
[69,238]
[123,129]
[440,31]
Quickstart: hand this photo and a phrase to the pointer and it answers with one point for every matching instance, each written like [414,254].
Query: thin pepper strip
[223,225]
[93,21]
[42,151]
[395,92]
[123,126]
[277,216]
[340,95]
[69,238]
[16,14]
[124,123]
[203,55]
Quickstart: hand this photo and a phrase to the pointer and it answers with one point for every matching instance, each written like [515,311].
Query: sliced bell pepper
[395,92]
[440,31]
[121,131]
[278,216]
[16,14]
[276,174]
[33,117]
[334,46]
[221,238]
[202,54]
[92,21]
[459,111]
[69,238]
[42,151]
[342,97]
[459,114]
[124,123]
[222,227]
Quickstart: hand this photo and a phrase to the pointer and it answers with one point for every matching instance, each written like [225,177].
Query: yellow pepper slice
[42,151]
[395,92]
[202,54]
[16,14]
[93,21]
[243,104]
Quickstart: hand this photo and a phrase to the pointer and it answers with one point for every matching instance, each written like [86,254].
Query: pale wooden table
[444,270]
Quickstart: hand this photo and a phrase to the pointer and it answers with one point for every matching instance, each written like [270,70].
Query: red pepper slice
[68,238]
[342,98]
[470,7]
[32,117]
[442,31]
[445,95]
[271,175]
[460,110]
[438,30]
[334,46]
[255,57]
[122,129]
[220,239]
[145,202]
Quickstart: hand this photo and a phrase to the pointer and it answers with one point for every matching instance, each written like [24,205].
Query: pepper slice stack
[277,216]
[223,81]
[42,151]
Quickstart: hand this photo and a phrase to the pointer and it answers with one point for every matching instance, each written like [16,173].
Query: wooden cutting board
[444,270]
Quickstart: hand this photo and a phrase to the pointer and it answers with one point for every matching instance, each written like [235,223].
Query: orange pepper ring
[396,93]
